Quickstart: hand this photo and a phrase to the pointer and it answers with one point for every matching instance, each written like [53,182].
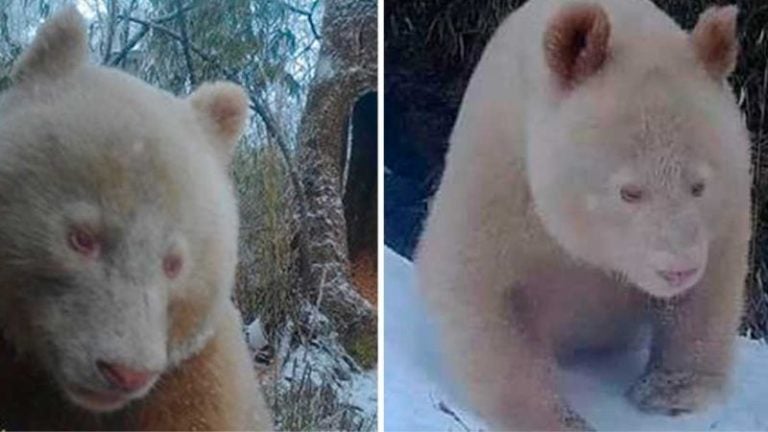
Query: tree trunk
[346,68]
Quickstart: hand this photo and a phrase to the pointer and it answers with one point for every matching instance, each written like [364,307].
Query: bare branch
[129,46]
[111,23]
[308,14]
[172,16]
[185,42]
[168,32]
[145,27]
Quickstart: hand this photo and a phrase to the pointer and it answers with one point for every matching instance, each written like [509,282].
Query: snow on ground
[362,392]
[418,396]
[353,387]
[319,364]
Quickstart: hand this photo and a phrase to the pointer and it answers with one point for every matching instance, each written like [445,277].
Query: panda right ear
[715,42]
[59,47]
[222,108]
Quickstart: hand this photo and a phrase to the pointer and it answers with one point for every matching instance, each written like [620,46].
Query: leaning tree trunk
[346,68]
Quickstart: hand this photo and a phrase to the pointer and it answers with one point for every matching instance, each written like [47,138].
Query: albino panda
[118,244]
[597,184]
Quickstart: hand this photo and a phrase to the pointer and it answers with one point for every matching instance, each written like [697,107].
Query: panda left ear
[59,48]
[223,109]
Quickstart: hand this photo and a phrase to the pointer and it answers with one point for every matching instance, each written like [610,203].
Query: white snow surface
[418,396]
[255,335]
[358,389]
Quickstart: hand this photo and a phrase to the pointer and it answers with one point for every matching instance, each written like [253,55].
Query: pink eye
[631,194]
[84,242]
[172,265]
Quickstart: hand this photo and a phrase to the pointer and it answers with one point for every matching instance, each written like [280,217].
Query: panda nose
[678,278]
[124,377]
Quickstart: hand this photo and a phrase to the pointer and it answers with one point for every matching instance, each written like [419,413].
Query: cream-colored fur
[118,245]
[596,185]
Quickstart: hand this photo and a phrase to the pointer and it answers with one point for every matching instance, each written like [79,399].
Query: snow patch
[362,392]
[325,68]
[255,335]
[322,365]
[418,395]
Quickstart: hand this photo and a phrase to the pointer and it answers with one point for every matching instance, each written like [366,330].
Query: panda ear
[222,107]
[576,43]
[714,41]
[59,48]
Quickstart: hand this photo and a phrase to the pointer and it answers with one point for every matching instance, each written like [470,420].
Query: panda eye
[84,242]
[697,189]
[172,264]
[631,193]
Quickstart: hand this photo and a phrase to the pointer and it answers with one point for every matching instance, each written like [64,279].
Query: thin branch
[145,26]
[308,14]
[185,43]
[129,46]
[172,16]
[111,22]
[161,28]
[294,9]
[451,413]
[14,46]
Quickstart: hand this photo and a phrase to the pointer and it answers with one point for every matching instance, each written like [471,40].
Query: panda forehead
[662,168]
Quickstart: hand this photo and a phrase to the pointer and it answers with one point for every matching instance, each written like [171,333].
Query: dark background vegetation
[431,48]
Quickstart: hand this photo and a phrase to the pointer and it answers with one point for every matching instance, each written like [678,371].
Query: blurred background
[431,49]
[305,173]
